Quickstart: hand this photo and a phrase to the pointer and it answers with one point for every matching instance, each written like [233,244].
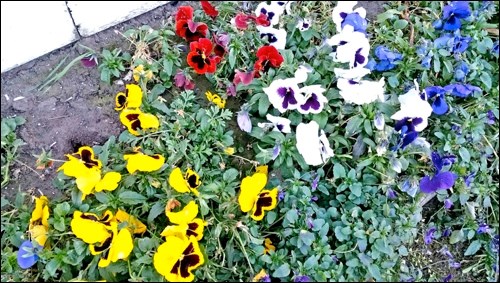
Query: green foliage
[10,145]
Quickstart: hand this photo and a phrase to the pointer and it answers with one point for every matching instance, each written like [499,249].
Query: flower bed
[349,127]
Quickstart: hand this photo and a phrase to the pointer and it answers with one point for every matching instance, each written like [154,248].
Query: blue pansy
[391,194]
[461,71]
[386,58]
[483,229]
[436,94]
[276,151]
[446,232]
[490,117]
[495,243]
[410,187]
[302,278]
[452,14]
[441,180]
[356,21]
[27,254]
[495,49]
[469,178]
[371,64]
[454,43]
[462,90]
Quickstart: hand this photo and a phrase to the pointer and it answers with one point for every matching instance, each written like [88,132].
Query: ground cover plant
[280,141]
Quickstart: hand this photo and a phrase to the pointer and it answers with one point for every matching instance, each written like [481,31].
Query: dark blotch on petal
[105,245]
[264,201]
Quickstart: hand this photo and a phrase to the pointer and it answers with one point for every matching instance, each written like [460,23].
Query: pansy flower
[118,245]
[343,14]
[27,256]
[262,276]
[437,94]
[139,73]
[275,37]
[452,14]
[215,99]
[361,92]
[254,198]
[209,9]
[284,94]
[244,121]
[314,100]
[352,74]
[187,223]
[278,124]
[244,78]
[87,171]
[461,71]
[90,60]
[177,258]
[91,228]
[272,11]
[313,144]
[441,180]
[267,57]
[135,120]
[184,183]
[351,47]
[455,43]
[138,161]
[199,57]
[131,98]
[386,58]
[429,235]
[303,24]
[462,90]
[190,30]
[183,81]
[184,13]
[39,225]
[241,20]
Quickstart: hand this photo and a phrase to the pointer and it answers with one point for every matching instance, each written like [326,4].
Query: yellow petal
[259,276]
[39,234]
[121,246]
[134,97]
[268,244]
[120,101]
[88,157]
[88,181]
[40,214]
[178,231]
[261,169]
[102,247]
[130,119]
[229,150]
[195,228]
[149,121]
[176,181]
[267,200]
[142,162]
[134,224]
[250,189]
[186,215]
[74,167]
[88,228]
[109,182]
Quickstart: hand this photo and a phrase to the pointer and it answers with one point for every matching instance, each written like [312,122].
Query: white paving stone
[31,29]
[92,17]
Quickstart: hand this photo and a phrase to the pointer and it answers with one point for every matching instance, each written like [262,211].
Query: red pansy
[200,57]
[191,31]
[209,9]
[184,13]
[267,57]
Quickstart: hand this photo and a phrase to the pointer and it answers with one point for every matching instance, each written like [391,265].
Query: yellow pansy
[118,246]
[39,225]
[131,98]
[268,246]
[133,224]
[188,224]
[139,161]
[215,99]
[140,73]
[184,184]
[135,120]
[87,171]
[254,198]
[91,228]
[177,258]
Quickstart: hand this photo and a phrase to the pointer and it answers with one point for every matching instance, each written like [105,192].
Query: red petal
[262,20]
[243,77]
[194,65]
[184,13]
[209,9]
[205,45]
[181,27]
[241,21]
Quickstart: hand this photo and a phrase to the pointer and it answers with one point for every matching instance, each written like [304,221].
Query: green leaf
[473,248]
[400,24]
[271,217]
[59,224]
[338,171]
[263,106]
[157,209]
[456,236]
[157,90]
[464,153]
[230,175]
[168,66]
[52,267]
[292,216]
[307,237]
[486,79]
[131,197]
[311,262]
[146,244]
[232,58]
[393,81]
[282,271]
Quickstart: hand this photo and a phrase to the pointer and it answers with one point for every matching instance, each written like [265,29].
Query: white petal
[308,91]
[280,35]
[413,106]
[342,7]
[354,73]
[363,92]
[301,73]
[326,151]
[276,9]
[308,143]
[284,122]
[276,100]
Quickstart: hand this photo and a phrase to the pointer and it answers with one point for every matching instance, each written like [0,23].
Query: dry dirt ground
[76,110]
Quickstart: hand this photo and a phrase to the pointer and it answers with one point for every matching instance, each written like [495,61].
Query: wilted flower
[242,77]
[314,183]
[187,223]
[276,151]
[495,50]
[182,81]
[139,73]
[215,99]
[447,278]
[391,194]
[469,178]
[90,61]
[244,121]
[462,90]
[454,43]
[262,276]
[379,121]
[446,232]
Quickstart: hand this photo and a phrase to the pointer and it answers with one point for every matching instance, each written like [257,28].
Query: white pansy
[413,106]
[284,94]
[314,148]
[301,73]
[362,92]
[275,37]
[351,47]
[277,123]
[353,74]
[314,100]
[273,11]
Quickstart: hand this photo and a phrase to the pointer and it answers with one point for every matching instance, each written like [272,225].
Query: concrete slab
[91,17]
[30,29]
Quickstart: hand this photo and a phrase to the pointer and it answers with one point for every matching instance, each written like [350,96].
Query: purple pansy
[407,130]
[495,49]
[309,223]
[302,278]
[446,232]
[441,180]
[89,61]
[281,195]
[490,118]
[429,235]
[27,254]
[314,100]
[447,278]
[276,151]
[483,229]
[358,22]
[314,184]
[462,90]
[391,194]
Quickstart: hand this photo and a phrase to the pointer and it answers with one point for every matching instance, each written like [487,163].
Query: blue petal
[438,24]
[26,256]
[439,106]
[437,161]
[356,21]
[371,64]
[452,23]
[441,181]
[461,9]
[409,138]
